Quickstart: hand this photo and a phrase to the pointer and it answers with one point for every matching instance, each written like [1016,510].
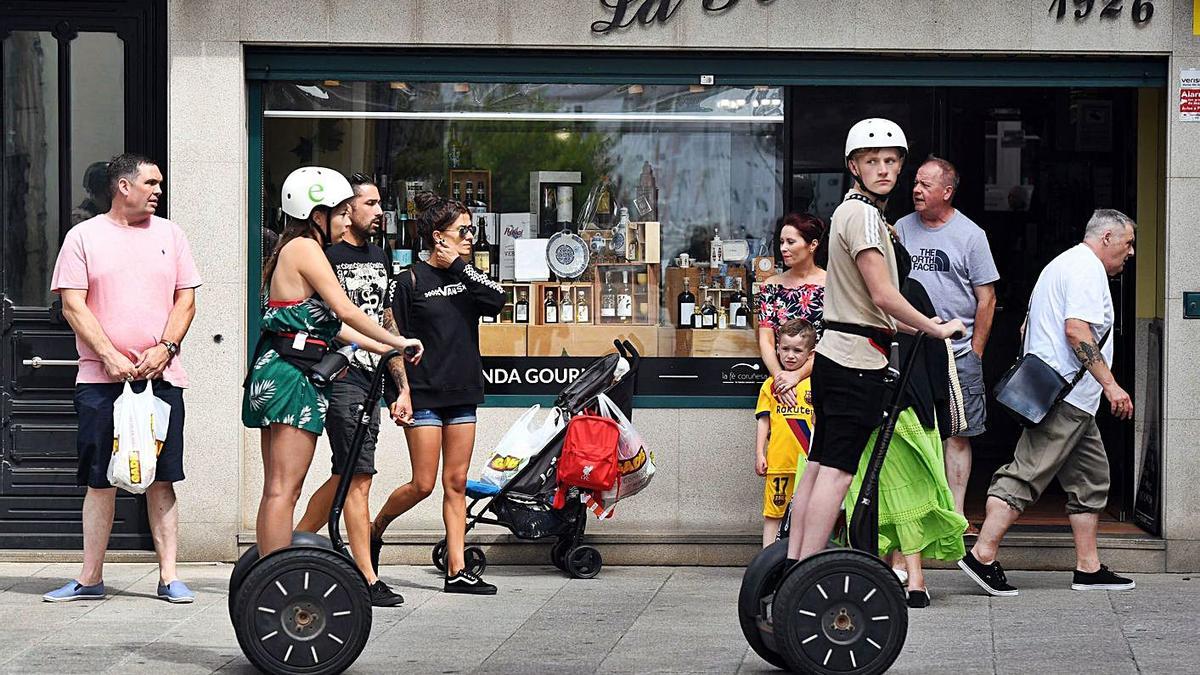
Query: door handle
[38,362]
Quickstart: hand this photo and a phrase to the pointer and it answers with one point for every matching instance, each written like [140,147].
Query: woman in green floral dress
[304,296]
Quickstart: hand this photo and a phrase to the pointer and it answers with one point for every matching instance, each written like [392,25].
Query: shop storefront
[629,191]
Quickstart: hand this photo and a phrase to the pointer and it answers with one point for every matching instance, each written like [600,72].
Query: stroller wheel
[558,553]
[583,562]
[439,555]
[475,560]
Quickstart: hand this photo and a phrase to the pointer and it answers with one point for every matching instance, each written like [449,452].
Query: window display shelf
[502,339]
[729,343]
[583,340]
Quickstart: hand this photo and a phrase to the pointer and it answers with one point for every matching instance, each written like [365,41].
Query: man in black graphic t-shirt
[364,271]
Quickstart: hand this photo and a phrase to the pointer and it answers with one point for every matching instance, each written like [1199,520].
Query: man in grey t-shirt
[951,259]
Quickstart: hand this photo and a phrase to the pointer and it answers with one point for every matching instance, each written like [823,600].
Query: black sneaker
[383,596]
[465,582]
[376,547]
[918,599]
[1100,580]
[989,577]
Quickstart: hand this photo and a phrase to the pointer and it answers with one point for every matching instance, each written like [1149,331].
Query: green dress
[916,508]
[277,391]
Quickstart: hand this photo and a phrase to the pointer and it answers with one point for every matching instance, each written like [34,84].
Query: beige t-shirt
[854,228]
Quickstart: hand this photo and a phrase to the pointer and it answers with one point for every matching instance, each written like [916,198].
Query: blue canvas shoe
[73,590]
[176,592]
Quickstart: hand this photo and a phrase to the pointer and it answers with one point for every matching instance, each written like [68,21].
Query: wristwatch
[172,347]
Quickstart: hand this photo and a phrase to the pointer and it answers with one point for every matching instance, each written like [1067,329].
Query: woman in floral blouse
[798,293]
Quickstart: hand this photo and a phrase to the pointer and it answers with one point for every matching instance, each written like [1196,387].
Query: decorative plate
[567,255]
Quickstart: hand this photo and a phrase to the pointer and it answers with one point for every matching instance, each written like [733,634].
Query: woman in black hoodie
[440,302]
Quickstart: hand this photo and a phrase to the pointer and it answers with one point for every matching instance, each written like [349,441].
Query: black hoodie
[442,308]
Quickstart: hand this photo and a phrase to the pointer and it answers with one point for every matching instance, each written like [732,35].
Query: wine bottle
[457,193]
[735,303]
[686,304]
[608,300]
[481,248]
[521,309]
[708,313]
[697,318]
[550,308]
[742,318]
[481,197]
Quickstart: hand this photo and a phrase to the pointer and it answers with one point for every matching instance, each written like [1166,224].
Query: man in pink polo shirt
[127,282]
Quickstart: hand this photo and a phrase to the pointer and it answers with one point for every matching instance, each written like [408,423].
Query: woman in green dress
[916,509]
[305,302]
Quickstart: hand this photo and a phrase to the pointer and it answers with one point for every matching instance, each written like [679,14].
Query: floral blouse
[777,305]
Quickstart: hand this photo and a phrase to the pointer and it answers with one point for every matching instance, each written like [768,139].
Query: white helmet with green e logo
[311,186]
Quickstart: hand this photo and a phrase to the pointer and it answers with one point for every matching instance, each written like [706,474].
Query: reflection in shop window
[597,203]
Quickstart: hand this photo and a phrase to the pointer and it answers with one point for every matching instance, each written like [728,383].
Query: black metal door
[81,81]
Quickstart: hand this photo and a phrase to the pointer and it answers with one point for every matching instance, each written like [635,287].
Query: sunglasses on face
[464,230]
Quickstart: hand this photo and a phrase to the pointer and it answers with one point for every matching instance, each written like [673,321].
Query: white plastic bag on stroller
[524,439]
[139,429]
[636,463]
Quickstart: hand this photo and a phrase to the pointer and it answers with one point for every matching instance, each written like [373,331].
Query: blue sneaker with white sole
[73,590]
[176,592]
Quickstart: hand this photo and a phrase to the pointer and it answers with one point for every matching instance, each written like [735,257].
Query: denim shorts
[444,417]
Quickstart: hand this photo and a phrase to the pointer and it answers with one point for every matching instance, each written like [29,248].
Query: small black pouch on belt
[302,352]
[880,339]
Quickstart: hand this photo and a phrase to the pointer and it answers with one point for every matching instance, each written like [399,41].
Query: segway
[841,610]
[307,608]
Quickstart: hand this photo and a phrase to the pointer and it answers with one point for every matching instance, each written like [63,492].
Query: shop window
[605,210]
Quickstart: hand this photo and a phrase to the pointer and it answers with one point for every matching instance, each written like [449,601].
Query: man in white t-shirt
[1070,317]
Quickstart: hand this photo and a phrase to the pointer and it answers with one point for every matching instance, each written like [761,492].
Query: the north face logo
[931,260]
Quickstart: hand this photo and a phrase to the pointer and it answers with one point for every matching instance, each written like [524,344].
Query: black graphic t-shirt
[366,275]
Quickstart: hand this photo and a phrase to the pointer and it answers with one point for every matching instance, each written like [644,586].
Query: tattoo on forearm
[389,322]
[1087,353]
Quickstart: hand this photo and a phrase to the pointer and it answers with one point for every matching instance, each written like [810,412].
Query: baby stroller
[525,504]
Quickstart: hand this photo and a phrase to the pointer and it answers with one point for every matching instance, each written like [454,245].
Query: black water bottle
[331,365]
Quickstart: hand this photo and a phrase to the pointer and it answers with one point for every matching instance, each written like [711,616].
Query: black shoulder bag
[1032,387]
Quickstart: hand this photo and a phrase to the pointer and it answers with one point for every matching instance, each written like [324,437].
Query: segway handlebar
[360,435]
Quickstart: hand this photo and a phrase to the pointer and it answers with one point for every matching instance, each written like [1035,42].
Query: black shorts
[94,440]
[345,402]
[848,405]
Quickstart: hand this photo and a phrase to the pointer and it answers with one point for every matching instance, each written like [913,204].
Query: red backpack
[589,456]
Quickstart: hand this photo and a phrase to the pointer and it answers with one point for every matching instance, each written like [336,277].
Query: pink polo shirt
[130,274]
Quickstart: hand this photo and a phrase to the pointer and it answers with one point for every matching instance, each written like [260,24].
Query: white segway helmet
[312,186]
[875,132]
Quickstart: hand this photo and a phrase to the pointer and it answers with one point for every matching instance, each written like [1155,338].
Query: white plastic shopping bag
[635,461]
[524,439]
[139,429]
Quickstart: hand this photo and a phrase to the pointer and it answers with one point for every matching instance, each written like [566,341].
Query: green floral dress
[277,391]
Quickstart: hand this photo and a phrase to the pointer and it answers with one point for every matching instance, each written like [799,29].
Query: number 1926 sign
[1140,10]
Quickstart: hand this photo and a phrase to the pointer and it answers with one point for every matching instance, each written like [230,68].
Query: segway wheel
[840,611]
[558,553]
[250,557]
[303,611]
[583,562]
[756,598]
[475,560]
[439,555]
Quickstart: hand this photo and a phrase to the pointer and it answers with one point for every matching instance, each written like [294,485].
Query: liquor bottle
[716,252]
[481,250]
[549,212]
[624,300]
[604,203]
[457,194]
[481,197]
[722,319]
[686,304]
[469,196]
[522,309]
[697,318]
[403,252]
[608,300]
[742,318]
[550,308]
[389,216]
[629,252]
[737,300]
[566,310]
[708,313]
[583,313]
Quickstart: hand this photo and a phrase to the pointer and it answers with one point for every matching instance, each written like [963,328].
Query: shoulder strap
[1079,375]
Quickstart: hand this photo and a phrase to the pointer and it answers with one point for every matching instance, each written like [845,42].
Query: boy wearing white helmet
[863,305]
[305,311]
